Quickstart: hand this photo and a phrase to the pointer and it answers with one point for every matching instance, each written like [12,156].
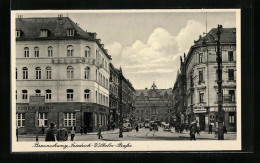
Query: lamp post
[120,104]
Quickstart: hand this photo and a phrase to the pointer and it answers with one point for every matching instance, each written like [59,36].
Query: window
[48,95]
[38,72]
[230,74]
[69,95]
[96,76]
[86,94]
[50,51]
[70,51]
[191,81]
[18,33]
[86,73]
[36,52]
[48,72]
[44,33]
[38,92]
[96,97]
[15,73]
[69,119]
[201,97]
[24,94]
[70,72]
[200,57]
[200,77]
[42,119]
[26,52]
[70,32]
[20,119]
[87,52]
[231,118]
[230,56]
[232,95]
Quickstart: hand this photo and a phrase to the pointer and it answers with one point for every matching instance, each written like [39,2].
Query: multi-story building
[113,95]
[201,79]
[153,104]
[62,73]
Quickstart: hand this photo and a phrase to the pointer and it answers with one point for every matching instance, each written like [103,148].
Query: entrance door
[202,122]
[88,121]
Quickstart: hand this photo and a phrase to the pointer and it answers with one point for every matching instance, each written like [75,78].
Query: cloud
[114,49]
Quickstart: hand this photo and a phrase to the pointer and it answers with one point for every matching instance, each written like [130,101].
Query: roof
[57,28]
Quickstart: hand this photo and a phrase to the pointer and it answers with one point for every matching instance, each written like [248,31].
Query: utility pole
[120,104]
[220,99]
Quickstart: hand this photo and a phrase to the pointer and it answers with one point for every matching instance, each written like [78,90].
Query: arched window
[48,72]
[25,73]
[26,52]
[70,51]
[87,52]
[48,95]
[69,94]
[50,51]
[86,94]
[36,52]
[70,72]
[87,73]
[38,92]
[38,72]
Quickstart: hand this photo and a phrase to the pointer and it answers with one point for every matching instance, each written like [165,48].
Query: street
[144,134]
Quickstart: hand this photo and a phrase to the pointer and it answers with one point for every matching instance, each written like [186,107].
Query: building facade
[67,68]
[153,104]
[201,89]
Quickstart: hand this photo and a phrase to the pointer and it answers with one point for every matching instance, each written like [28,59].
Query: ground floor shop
[87,115]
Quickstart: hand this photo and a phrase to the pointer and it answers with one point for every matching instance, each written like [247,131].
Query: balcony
[66,60]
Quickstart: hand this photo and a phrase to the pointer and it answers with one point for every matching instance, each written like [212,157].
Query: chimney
[20,16]
[102,45]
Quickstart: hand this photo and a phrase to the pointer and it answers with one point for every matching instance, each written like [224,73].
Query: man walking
[99,131]
[62,134]
[72,132]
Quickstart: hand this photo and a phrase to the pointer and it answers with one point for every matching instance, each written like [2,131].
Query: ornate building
[153,104]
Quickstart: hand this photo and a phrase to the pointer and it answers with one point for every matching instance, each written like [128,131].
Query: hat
[52,124]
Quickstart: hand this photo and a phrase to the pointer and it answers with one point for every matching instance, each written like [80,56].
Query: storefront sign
[200,110]
[33,108]
[37,100]
[225,109]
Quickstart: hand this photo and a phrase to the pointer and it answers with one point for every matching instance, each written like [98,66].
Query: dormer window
[18,33]
[44,33]
[70,32]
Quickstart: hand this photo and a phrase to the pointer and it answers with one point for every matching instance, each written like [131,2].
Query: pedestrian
[137,128]
[50,133]
[99,131]
[81,130]
[72,133]
[85,130]
[43,130]
[210,128]
[225,129]
[198,129]
[192,132]
[17,133]
[62,134]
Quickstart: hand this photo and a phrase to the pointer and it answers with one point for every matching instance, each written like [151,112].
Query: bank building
[62,75]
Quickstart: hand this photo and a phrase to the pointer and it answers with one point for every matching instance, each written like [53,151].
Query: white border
[209,145]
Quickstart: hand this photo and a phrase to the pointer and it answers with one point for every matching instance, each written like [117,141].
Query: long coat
[50,135]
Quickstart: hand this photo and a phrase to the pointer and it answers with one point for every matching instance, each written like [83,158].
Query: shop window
[26,52]
[48,95]
[24,94]
[48,72]
[230,74]
[36,52]
[70,51]
[99,119]
[231,118]
[230,56]
[95,119]
[38,92]
[87,73]
[38,72]
[20,119]
[69,119]
[50,51]
[69,95]
[25,73]
[42,119]
[201,97]
[87,52]
[70,72]
[86,94]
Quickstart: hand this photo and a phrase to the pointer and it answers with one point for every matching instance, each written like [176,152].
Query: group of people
[85,129]
[61,133]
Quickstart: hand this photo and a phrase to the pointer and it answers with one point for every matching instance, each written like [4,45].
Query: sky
[147,44]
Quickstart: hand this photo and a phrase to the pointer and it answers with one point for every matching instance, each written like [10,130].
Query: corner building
[65,69]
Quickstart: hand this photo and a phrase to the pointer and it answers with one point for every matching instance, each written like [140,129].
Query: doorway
[202,122]
[88,121]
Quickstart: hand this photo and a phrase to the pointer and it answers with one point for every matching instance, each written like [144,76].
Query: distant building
[200,72]
[68,67]
[153,104]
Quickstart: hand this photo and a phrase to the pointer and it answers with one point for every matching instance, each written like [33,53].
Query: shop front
[201,117]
